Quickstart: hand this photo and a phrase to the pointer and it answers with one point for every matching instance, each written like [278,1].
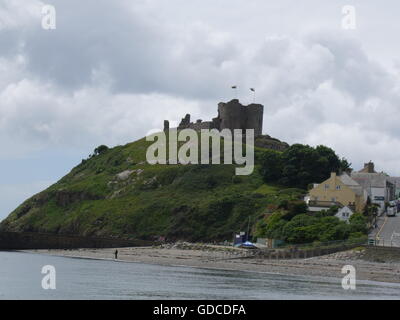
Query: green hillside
[116,193]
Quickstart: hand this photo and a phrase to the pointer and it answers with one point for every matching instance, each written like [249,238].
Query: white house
[378,186]
[344,214]
[396,182]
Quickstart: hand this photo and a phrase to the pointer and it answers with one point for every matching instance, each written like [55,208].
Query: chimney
[369,167]
[166,125]
[333,174]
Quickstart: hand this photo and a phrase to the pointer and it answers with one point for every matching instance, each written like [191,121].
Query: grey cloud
[113,70]
[99,75]
[138,54]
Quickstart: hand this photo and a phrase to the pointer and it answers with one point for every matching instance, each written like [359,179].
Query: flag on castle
[254,96]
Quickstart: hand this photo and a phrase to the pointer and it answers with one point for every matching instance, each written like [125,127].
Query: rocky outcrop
[267,142]
[124,175]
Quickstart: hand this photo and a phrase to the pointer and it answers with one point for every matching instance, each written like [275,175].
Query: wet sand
[218,257]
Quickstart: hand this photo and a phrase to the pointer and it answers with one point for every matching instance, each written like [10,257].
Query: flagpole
[254,94]
[235,88]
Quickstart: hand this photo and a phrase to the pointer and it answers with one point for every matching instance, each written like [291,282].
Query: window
[327,186]
[337,187]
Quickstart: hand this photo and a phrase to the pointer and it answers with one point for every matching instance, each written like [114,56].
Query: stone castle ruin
[231,115]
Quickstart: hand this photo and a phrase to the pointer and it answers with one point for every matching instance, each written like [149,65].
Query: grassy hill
[116,193]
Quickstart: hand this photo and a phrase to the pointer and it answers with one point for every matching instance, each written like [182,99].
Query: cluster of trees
[371,210]
[100,150]
[292,224]
[300,165]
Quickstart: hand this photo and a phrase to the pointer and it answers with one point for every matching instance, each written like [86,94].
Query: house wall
[390,191]
[344,195]
[360,203]
[380,188]
[376,194]
[344,214]
[317,209]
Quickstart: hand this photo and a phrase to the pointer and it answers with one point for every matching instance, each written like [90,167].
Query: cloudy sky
[113,70]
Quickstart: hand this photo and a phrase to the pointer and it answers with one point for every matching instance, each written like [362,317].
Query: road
[389,231]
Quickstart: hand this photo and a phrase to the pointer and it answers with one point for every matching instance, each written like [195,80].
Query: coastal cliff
[116,193]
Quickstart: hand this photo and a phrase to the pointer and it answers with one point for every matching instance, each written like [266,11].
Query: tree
[345,165]
[304,164]
[306,228]
[327,157]
[332,210]
[295,208]
[300,165]
[301,229]
[356,235]
[100,150]
[275,225]
[358,223]
[327,213]
[271,165]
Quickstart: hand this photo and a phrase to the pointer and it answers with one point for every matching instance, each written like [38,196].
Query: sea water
[21,278]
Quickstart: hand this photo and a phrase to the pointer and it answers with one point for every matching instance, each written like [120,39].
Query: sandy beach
[219,257]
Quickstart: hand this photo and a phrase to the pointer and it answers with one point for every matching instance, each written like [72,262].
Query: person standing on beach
[116,254]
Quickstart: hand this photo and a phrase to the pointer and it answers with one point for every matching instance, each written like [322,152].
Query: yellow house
[338,190]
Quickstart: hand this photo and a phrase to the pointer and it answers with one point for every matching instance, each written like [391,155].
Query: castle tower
[231,115]
[234,115]
[255,114]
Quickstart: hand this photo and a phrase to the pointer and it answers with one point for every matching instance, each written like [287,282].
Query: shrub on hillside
[100,150]
[300,165]
[306,228]
[358,223]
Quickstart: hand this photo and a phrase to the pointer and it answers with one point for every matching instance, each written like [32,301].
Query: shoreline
[222,258]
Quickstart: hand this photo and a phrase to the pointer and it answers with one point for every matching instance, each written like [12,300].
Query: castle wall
[201,125]
[255,114]
[232,115]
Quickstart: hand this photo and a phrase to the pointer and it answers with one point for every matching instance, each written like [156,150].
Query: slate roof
[352,184]
[367,180]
